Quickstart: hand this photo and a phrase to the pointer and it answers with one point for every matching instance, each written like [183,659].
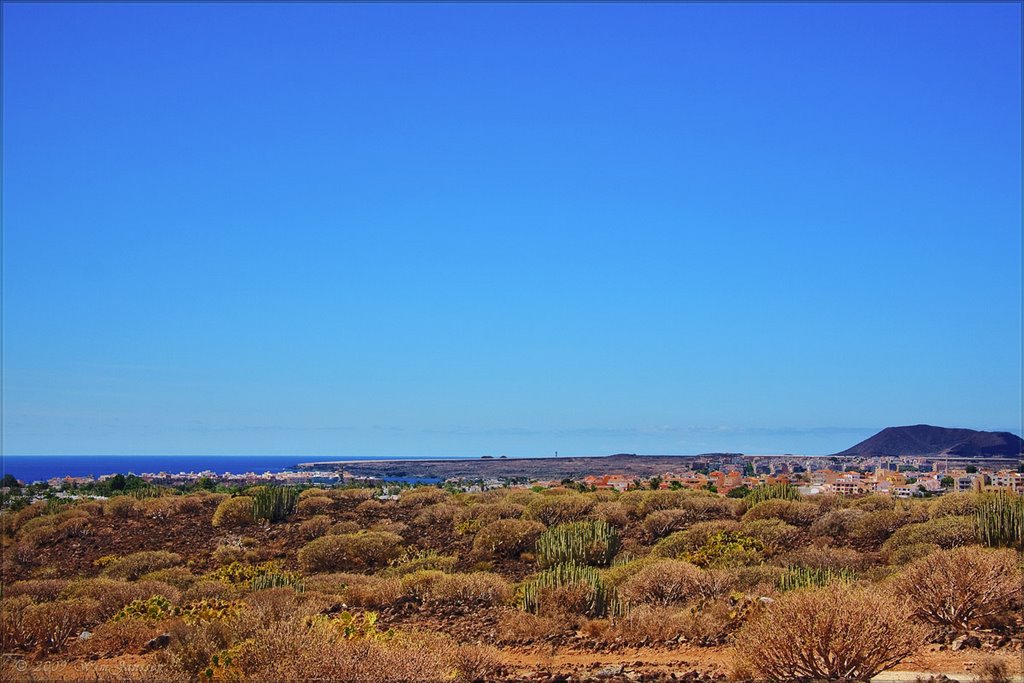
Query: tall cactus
[1000,519]
[583,543]
[600,597]
[274,503]
[764,492]
[808,577]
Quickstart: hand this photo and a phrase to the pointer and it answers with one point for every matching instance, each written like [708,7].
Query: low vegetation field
[266,584]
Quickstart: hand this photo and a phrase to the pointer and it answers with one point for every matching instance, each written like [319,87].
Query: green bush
[727,549]
[552,510]
[682,542]
[790,511]
[437,588]
[344,552]
[507,538]
[234,512]
[133,566]
[945,532]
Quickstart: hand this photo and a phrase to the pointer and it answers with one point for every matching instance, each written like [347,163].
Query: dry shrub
[955,505]
[992,669]
[27,626]
[792,512]
[115,638]
[369,505]
[315,492]
[234,512]
[163,507]
[179,577]
[440,514]
[110,594]
[423,560]
[28,512]
[835,632]
[476,662]
[817,556]
[345,527]
[436,588]
[123,507]
[641,502]
[694,538]
[315,526]
[960,586]
[192,647]
[558,509]
[206,590]
[357,495]
[485,513]
[228,553]
[372,591]
[613,512]
[288,651]
[663,522]
[873,528]
[390,526]
[836,525]
[40,590]
[524,628]
[948,531]
[646,625]
[507,538]
[359,590]
[195,503]
[422,495]
[905,554]
[668,582]
[279,604]
[774,535]
[314,505]
[874,503]
[365,549]
[131,567]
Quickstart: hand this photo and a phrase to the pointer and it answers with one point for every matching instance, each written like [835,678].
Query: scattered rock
[85,635]
[609,671]
[162,640]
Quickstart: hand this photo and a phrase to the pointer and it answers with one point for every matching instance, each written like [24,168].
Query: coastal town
[900,477]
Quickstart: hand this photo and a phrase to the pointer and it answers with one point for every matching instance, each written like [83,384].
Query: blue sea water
[41,467]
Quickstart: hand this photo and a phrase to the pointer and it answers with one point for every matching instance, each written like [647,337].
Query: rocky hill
[929,440]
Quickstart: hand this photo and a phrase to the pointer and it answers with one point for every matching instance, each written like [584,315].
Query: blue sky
[507,229]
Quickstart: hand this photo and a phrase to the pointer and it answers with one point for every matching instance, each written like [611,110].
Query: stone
[162,640]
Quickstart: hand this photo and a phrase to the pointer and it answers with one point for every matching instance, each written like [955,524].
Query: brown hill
[929,440]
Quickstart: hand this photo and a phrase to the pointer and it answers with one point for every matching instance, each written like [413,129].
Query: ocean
[41,467]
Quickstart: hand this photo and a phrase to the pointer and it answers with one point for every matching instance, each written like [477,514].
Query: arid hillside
[510,584]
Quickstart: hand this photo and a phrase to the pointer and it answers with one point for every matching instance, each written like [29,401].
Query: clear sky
[351,229]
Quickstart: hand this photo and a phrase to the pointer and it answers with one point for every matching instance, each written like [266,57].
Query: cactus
[1000,519]
[601,597]
[276,580]
[358,626]
[274,503]
[806,577]
[759,494]
[583,543]
[147,491]
[152,608]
